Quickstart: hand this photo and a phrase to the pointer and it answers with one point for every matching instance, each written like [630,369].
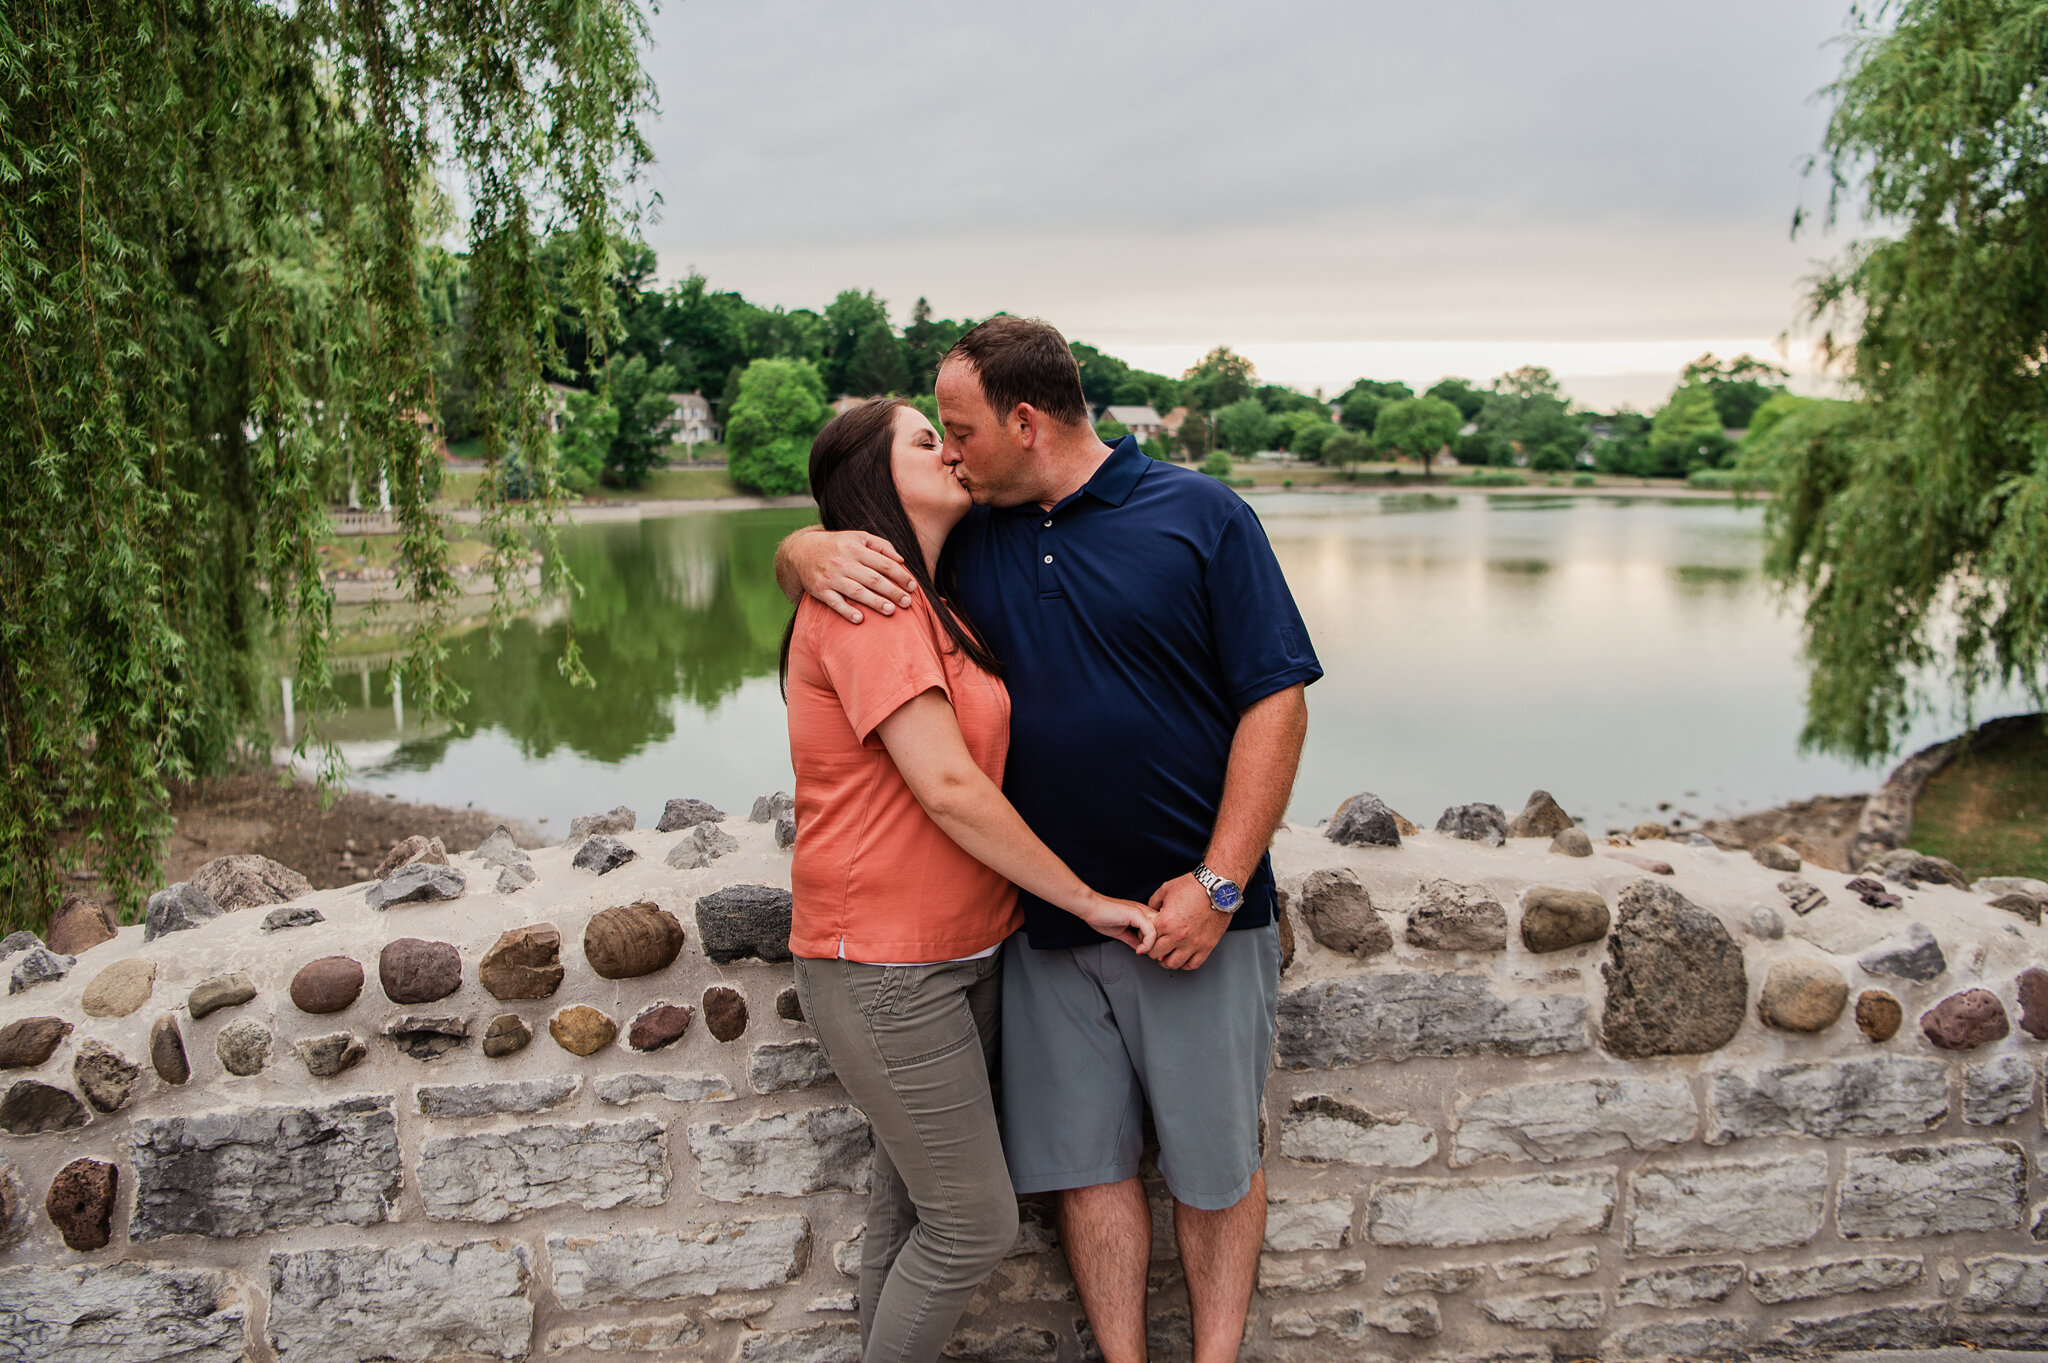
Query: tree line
[771,373]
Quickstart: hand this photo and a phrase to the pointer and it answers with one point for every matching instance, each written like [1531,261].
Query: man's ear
[1027,423]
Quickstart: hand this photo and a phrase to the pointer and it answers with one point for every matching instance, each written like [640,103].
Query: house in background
[558,404]
[844,404]
[690,423]
[1143,422]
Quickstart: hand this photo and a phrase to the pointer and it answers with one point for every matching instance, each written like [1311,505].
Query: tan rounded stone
[167,1050]
[120,989]
[1649,830]
[508,1034]
[1878,1014]
[582,1030]
[78,926]
[1802,996]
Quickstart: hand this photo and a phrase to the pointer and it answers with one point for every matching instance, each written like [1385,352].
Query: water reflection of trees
[683,606]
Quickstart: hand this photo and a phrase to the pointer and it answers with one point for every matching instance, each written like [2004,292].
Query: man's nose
[949,455]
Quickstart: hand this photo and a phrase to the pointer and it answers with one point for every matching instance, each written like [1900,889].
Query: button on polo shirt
[1136,620]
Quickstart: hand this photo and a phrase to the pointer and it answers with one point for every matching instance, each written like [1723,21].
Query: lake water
[1620,653]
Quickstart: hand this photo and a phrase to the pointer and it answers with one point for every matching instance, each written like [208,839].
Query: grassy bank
[1987,811]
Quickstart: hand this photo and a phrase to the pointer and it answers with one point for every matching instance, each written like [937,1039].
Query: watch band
[1225,896]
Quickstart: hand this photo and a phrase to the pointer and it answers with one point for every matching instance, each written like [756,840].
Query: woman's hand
[1127,921]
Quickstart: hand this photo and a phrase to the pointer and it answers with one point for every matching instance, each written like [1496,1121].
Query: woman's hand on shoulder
[1126,920]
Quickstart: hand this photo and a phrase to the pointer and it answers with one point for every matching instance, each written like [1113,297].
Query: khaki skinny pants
[913,1046]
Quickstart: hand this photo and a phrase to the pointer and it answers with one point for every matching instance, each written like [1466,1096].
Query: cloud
[1583,170]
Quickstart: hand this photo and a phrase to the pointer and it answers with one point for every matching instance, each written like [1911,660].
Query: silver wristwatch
[1225,896]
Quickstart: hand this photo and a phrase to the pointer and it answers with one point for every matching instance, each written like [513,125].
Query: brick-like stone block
[641,1335]
[1674,1288]
[1298,1223]
[1715,1208]
[1709,1338]
[1998,1090]
[413,1302]
[1417,1316]
[788,1154]
[2006,1282]
[778,1066]
[1549,1311]
[1881,1095]
[1408,1014]
[489,1099]
[695,1261]
[1916,1325]
[1323,1129]
[1573,1119]
[620,1089]
[122,1313]
[1834,1278]
[818,1344]
[1439,1213]
[1921,1190]
[250,1170]
[500,1175]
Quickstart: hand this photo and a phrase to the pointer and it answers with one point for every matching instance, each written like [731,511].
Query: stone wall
[1658,1099]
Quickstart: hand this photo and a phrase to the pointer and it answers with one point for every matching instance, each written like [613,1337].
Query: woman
[905,881]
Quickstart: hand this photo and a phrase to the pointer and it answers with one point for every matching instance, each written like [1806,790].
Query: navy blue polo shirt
[1135,621]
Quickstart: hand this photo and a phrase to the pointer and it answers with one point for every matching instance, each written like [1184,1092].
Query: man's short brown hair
[1021,359]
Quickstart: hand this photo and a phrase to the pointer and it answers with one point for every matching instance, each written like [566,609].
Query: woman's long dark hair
[854,484]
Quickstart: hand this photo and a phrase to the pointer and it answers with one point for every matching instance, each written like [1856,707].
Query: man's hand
[845,569]
[1187,928]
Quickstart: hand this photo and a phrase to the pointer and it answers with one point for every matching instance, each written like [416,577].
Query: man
[1156,664]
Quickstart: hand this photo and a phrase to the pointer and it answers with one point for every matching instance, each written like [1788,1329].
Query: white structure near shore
[572,1115]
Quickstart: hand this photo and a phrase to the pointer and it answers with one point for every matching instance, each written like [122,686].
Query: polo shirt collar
[1119,473]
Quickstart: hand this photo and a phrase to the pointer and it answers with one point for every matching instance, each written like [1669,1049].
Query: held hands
[849,569]
[1126,920]
[1188,928]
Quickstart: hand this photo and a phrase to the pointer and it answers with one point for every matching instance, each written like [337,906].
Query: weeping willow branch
[217,221]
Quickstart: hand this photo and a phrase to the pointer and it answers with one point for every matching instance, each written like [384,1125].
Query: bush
[1346,447]
[1583,480]
[1728,480]
[779,406]
[1243,427]
[1219,465]
[1491,478]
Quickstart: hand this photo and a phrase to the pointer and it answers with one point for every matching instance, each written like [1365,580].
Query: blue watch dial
[1226,897]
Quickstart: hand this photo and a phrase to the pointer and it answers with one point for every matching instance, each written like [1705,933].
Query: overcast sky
[1405,190]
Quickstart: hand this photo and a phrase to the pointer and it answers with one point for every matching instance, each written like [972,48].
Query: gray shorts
[1094,1034]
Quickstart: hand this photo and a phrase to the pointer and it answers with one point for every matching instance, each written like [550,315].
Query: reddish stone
[413,970]
[81,1203]
[2033,991]
[1641,863]
[1965,1021]
[659,1025]
[790,1008]
[79,925]
[327,985]
[725,1012]
[1878,1014]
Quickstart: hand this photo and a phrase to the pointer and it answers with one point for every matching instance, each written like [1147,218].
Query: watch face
[1226,897]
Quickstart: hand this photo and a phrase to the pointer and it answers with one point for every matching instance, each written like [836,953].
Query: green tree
[1243,427]
[1526,420]
[779,407]
[1105,379]
[1346,447]
[1308,430]
[1915,525]
[589,425]
[1686,434]
[860,347]
[925,342]
[1359,405]
[642,397]
[1109,430]
[877,366]
[1196,437]
[1218,379]
[216,288]
[1219,465]
[1417,427]
[1739,386]
[1460,394]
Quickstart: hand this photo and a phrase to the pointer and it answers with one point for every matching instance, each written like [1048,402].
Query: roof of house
[1132,416]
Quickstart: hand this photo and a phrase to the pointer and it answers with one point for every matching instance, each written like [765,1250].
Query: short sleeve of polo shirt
[877,667]
[1261,643]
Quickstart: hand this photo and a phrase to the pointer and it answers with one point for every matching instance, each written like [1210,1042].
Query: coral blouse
[874,879]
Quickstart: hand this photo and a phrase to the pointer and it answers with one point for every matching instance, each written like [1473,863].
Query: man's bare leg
[1106,1230]
[1219,1251]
